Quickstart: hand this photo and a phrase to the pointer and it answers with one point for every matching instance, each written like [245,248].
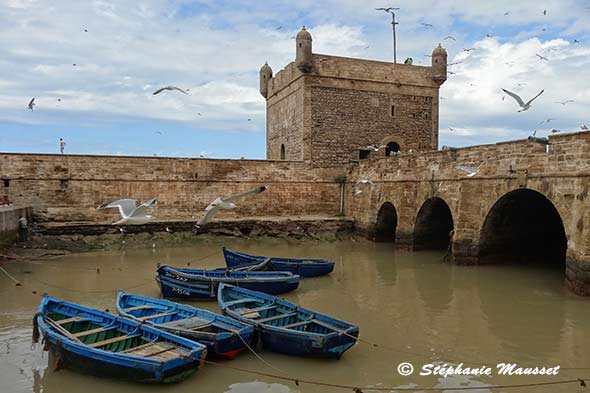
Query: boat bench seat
[239,301]
[138,307]
[92,331]
[258,309]
[154,316]
[300,323]
[276,317]
[68,320]
[113,340]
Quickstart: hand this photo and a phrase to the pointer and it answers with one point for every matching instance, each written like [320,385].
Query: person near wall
[62,145]
[447,256]
[23,229]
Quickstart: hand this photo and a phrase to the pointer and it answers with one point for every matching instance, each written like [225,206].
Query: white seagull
[584,127]
[131,214]
[225,204]
[356,188]
[375,147]
[523,106]
[170,88]
[470,171]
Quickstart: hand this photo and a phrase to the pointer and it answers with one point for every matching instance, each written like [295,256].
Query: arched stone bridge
[528,203]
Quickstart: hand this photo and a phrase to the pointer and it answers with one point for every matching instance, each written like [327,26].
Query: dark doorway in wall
[391,147]
[523,226]
[434,223]
[386,224]
[282,152]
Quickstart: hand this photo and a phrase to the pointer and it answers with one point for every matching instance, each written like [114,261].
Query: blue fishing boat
[98,343]
[223,336]
[181,283]
[286,327]
[239,261]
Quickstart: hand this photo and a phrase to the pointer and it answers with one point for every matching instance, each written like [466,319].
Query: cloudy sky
[92,67]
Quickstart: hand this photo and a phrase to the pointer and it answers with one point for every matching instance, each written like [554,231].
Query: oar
[62,330]
[328,326]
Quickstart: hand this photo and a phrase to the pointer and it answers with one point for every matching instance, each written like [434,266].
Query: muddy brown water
[415,307]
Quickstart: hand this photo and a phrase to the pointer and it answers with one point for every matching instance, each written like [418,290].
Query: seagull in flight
[452,129]
[564,102]
[31,103]
[449,37]
[468,49]
[584,127]
[541,57]
[455,63]
[169,88]
[225,204]
[356,188]
[470,171]
[388,9]
[555,130]
[375,147]
[131,214]
[506,13]
[426,24]
[523,106]
[546,121]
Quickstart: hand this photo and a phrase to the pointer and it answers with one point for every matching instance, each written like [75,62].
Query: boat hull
[301,267]
[183,284]
[288,328]
[61,357]
[228,339]
[98,343]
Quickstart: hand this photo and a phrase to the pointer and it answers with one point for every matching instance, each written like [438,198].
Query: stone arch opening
[282,152]
[434,223]
[386,224]
[391,147]
[523,226]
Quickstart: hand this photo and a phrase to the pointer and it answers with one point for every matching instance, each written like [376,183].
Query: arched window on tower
[391,148]
[282,152]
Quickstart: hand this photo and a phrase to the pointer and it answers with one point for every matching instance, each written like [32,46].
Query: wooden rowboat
[239,261]
[98,343]
[223,336]
[286,327]
[180,283]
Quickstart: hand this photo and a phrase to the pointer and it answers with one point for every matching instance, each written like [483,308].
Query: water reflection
[515,313]
[433,281]
[407,301]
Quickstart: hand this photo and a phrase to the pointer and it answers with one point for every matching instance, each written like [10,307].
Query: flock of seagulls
[131,214]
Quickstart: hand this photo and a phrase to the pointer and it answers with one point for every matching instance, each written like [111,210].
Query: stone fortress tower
[322,109]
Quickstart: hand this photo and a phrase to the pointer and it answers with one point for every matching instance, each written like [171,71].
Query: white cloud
[215,49]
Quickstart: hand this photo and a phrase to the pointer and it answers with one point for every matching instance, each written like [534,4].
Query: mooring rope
[297,381]
[90,291]
[18,284]
[260,357]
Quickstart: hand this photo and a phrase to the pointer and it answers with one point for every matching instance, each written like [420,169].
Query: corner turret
[439,64]
[303,58]
[265,76]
